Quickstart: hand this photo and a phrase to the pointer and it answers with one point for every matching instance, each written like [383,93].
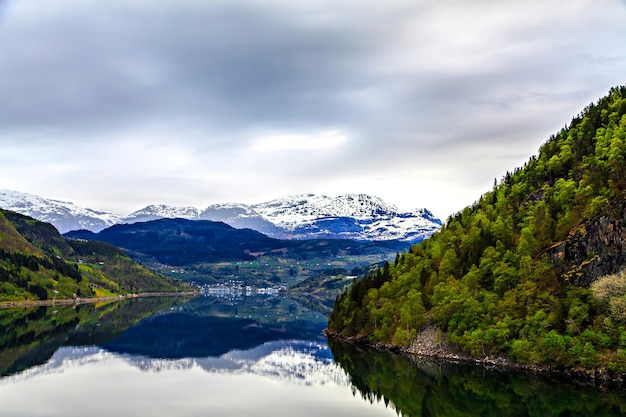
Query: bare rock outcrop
[594,249]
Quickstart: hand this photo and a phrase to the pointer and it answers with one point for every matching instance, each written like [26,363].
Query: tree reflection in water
[424,388]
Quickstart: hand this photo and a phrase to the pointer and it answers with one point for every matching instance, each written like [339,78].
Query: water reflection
[30,336]
[427,388]
[262,357]
[298,362]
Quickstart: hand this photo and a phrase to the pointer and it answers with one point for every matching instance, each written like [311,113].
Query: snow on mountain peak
[64,215]
[294,209]
[302,216]
[354,216]
[159,211]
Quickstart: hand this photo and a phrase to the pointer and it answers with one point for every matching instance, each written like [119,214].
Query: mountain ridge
[64,215]
[303,216]
[182,242]
[348,216]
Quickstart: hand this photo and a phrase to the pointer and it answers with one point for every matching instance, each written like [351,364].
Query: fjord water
[251,356]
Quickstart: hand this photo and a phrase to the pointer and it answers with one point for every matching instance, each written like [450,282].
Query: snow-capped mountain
[64,215]
[350,216]
[242,216]
[309,216]
[154,212]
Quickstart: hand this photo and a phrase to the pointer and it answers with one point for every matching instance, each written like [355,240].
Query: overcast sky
[115,105]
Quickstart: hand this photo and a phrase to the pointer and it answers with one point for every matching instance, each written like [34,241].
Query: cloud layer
[117,105]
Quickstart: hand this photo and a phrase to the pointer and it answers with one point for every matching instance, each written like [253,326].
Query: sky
[119,104]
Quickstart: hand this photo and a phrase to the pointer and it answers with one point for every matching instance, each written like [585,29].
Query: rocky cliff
[595,249]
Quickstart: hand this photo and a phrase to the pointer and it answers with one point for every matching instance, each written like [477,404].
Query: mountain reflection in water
[184,335]
[261,356]
[293,361]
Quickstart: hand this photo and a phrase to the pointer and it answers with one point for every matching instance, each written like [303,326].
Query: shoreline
[78,300]
[426,346]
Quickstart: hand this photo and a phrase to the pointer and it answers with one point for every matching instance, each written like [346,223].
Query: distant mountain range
[351,216]
[183,242]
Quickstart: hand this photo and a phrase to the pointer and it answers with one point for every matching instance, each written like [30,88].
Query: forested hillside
[531,270]
[37,263]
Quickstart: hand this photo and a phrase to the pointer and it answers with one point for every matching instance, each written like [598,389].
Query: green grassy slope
[37,263]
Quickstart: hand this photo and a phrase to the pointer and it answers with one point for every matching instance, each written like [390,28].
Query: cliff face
[595,249]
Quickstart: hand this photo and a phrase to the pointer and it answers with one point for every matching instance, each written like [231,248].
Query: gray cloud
[137,93]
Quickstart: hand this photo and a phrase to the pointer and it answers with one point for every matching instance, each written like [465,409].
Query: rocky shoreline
[432,344]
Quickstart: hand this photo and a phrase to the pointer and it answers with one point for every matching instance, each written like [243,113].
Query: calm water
[256,356]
